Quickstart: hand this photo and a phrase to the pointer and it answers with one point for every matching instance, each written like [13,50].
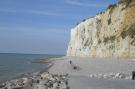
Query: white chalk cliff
[109,34]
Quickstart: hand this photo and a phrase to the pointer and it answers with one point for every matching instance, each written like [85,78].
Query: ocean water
[13,65]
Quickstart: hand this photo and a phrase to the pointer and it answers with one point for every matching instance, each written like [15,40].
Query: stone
[2,85]
[41,81]
[91,76]
[105,76]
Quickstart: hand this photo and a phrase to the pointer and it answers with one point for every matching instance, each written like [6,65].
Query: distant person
[70,62]
[74,67]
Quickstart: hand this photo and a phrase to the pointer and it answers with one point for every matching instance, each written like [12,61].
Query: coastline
[90,73]
[33,80]
[14,66]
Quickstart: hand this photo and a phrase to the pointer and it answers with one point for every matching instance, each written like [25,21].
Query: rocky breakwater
[112,76]
[38,81]
[109,34]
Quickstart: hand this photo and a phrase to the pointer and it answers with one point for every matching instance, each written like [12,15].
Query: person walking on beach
[70,62]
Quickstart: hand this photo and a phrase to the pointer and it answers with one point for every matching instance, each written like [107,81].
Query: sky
[43,26]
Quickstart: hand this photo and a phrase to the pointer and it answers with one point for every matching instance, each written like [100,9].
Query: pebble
[111,76]
[38,81]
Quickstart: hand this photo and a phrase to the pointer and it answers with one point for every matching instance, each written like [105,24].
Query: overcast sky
[42,26]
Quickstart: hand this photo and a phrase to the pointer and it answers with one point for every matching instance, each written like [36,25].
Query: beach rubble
[112,76]
[41,81]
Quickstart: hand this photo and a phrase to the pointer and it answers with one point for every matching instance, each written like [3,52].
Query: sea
[13,65]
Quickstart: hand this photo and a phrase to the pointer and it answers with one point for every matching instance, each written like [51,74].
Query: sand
[83,82]
[80,78]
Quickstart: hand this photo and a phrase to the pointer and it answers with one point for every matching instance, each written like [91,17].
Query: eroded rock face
[108,34]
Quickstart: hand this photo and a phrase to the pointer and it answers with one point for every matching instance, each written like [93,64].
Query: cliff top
[126,3]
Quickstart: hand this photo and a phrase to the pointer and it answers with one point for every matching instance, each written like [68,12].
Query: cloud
[36,30]
[82,4]
[36,12]
[41,12]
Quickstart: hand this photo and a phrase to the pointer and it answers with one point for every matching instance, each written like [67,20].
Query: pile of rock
[111,76]
[38,81]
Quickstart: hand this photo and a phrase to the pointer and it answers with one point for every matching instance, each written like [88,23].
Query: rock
[117,75]
[91,76]
[128,77]
[40,81]
[68,87]
[122,76]
[66,82]
[111,76]
[105,76]
[2,85]
[100,76]
[55,85]
[95,75]
[109,34]
[19,87]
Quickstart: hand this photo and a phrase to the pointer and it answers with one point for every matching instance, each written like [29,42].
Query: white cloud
[36,12]
[84,4]
[41,12]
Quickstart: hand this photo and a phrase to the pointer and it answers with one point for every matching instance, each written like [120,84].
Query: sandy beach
[96,73]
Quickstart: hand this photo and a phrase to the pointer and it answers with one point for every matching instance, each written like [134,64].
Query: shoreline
[27,74]
[88,72]
[14,66]
[32,80]
[47,62]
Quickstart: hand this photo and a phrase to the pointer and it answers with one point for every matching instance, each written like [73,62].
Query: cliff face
[109,34]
